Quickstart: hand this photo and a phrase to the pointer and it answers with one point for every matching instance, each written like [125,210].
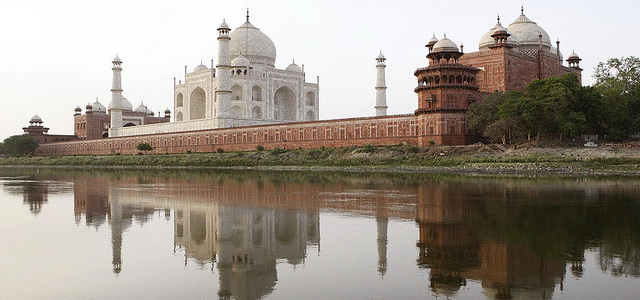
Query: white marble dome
[35,119]
[200,68]
[293,67]
[487,40]
[240,61]
[528,31]
[126,105]
[97,107]
[445,45]
[143,109]
[249,41]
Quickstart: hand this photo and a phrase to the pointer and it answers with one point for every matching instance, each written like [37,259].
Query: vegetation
[562,108]
[19,145]
[144,147]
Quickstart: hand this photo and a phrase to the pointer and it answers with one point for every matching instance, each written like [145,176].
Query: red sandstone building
[508,59]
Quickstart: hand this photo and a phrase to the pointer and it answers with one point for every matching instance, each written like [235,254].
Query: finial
[498,18]
[445,35]
[522,9]
[247,14]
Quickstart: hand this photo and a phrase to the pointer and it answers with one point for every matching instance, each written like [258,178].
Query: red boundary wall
[385,130]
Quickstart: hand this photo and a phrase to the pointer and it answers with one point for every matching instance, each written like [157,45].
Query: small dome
[143,109]
[35,119]
[200,68]
[445,45]
[293,67]
[240,61]
[167,111]
[487,39]
[78,109]
[573,56]
[224,25]
[98,107]
[433,39]
[380,56]
[499,30]
[89,107]
[117,60]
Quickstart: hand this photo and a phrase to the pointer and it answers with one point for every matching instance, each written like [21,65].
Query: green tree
[618,82]
[144,147]
[491,119]
[20,145]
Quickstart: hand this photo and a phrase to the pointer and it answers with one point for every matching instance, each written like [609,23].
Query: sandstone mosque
[245,102]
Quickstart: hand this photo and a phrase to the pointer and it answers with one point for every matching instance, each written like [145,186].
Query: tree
[144,147]
[492,118]
[618,83]
[20,145]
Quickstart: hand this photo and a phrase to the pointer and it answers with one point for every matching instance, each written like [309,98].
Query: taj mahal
[244,102]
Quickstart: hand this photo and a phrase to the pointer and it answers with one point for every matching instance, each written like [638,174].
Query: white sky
[58,53]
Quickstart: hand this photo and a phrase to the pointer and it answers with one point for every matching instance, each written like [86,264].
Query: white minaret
[223,72]
[115,107]
[381,87]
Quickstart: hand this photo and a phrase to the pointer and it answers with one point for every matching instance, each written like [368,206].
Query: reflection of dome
[445,45]
[294,68]
[98,107]
[240,61]
[249,41]
[528,31]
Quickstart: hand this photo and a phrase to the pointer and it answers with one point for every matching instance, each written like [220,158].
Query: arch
[197,104]
[452,79]
[310,116]
[284,104]
[236,92]
[437,80]
[105,135]
[236,111]
[311,99]
[129,124]
[256,93]
[256,113]
[459,79]
[179,100]
[179,116]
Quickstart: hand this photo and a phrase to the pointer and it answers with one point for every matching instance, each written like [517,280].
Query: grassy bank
[483,158]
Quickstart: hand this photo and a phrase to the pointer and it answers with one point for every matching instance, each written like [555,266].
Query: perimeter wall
[385,130]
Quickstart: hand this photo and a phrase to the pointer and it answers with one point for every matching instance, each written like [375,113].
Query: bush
[220,150]
[368,148]
[432,142]
[144,147]
[276,151]
[260,148]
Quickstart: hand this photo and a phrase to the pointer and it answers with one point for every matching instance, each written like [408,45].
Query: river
[207,234]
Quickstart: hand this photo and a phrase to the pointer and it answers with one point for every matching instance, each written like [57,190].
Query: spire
[499,19]
[522,9]
[247,14]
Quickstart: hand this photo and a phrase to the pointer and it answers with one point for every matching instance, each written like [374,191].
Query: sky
[58,53]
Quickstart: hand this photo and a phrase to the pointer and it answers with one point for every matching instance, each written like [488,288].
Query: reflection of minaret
[116,233]
[382,221]
[35,194]
[225,253]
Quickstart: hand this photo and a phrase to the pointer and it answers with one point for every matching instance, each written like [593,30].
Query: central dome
[248,41]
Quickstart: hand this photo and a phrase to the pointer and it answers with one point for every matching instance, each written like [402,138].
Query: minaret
[223,71]
[115,107]
[381,87]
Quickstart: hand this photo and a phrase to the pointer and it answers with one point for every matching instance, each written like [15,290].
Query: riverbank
[472,159]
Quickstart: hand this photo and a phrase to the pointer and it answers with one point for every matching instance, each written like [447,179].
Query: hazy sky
[58,53]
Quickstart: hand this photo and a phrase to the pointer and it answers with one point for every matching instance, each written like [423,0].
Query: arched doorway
[284,102]
[197,104]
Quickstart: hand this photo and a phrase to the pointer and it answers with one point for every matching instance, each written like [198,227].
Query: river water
[190,234]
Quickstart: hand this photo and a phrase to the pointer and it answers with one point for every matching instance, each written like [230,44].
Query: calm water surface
[71,234]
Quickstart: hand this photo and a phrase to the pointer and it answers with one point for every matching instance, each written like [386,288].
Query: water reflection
[516,238]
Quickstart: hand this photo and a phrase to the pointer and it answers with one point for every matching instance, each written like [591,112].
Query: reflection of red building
[455,254]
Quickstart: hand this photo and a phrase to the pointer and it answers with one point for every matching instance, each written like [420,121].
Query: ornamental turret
[574,61]
[381,86]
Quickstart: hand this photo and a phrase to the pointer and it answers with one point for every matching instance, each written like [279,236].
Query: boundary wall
[383,130]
